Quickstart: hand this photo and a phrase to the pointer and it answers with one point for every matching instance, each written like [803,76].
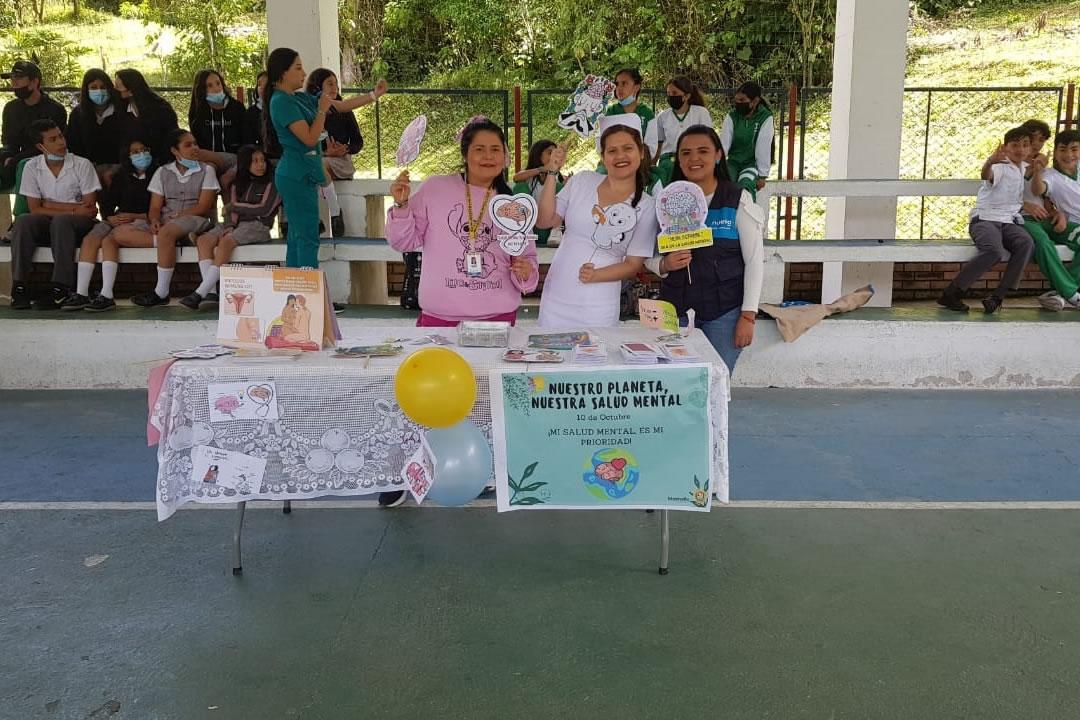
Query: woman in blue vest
[727,275]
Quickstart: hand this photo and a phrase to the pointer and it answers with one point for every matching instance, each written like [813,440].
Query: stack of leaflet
[638,353]
[678,352]
[590,354]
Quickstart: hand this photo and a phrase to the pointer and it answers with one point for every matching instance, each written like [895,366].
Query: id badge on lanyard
[474,264]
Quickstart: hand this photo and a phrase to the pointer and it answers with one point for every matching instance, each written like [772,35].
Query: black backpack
[410,287]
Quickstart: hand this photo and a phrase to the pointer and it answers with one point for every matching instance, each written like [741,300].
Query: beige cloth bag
[794,321]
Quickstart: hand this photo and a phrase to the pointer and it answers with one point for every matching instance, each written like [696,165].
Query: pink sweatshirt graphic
[436,222]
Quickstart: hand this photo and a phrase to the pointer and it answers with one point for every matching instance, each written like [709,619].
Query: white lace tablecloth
[340,430]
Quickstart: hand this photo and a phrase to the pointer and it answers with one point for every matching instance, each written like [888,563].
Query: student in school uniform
[747,136]
[628,83]
[216,119]
[686,109]
[148,117]
[30,104]
[183,197]
[996,225]
[253,203]
[343,139]
[61,190]
[1061,185]
[530,181]
[96,125]
[125,201]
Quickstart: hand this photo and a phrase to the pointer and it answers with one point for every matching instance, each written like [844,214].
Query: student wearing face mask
[30,104]
[686,109]
[217,121]
[124,202]
[747,138]
[628,100]
[95,128]
[61,190]
[148,116]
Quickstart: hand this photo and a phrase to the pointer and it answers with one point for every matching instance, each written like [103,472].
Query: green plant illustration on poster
[700,494]
[520,487]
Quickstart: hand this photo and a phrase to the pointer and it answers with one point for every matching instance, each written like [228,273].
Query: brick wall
[925,281]
[914,281]
[133,279]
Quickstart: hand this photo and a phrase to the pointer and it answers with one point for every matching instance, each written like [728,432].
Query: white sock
[203,265]
[108,278]
[329,193]
[1074,300]
[210,279]
[82,284]
[164,280]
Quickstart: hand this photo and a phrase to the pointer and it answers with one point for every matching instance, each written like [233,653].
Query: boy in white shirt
[996,225]
[1061,185]
[61,190]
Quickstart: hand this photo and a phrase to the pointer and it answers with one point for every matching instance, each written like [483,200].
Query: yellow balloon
[435,387]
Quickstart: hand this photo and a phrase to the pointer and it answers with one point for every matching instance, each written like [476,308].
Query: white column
[308,26]
[869,60]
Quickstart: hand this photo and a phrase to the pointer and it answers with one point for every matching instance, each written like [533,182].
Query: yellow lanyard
[474,223]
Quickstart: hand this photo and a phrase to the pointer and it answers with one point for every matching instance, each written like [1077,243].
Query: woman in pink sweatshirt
[465,275]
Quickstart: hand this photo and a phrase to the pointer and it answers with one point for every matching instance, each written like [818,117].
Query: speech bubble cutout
[515,214]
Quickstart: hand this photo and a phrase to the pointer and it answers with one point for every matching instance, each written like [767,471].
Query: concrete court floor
[768,613]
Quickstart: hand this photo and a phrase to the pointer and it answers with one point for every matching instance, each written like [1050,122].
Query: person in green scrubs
[747,138]
[295,121]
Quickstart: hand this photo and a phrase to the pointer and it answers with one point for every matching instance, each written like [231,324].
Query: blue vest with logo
[717,270]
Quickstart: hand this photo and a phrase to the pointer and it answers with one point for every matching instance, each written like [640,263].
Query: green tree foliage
[486,43]
[207,37]
[57,57]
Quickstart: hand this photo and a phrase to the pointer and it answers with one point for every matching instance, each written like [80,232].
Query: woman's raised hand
[400,188]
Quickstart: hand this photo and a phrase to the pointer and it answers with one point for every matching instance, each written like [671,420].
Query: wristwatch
[401,205]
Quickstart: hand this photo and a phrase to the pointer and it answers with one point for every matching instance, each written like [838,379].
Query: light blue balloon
[463,463]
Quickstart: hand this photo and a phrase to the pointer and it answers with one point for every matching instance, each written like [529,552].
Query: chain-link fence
[947,133]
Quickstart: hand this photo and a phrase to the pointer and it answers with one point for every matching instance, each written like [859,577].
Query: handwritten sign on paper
[419,471]
[227,469]
[658,314]
[231,401]
[681,210]
[515,215]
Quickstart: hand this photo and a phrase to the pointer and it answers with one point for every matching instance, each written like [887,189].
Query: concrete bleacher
[878,255]
[889,347]
[356,264]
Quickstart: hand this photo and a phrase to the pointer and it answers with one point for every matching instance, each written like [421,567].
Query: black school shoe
[101,304]
[20,297]
[149,299]
[192,301]
[52,298]
[211,300]
[74,301]
[991,304]
[951,299]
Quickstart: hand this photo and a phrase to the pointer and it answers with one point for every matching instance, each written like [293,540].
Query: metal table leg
[287,507]
[237,566]
[665,544]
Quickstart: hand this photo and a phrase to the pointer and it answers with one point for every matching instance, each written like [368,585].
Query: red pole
[517,128]
[1070,96]
[793,109]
